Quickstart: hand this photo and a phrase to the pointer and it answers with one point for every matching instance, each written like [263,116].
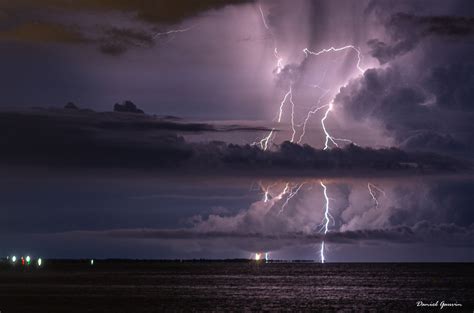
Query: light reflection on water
[225,286]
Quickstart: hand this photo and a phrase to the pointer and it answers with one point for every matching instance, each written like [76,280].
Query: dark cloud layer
[421,232]
[73,138]
[43,32]
[112,40]
[117,40]
[407,31]
[155,11]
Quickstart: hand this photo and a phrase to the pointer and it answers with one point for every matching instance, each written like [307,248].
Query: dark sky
[386,86]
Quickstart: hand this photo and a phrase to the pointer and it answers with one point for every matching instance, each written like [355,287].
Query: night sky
[250,109]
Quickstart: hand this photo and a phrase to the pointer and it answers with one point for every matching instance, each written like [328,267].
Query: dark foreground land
[119,286]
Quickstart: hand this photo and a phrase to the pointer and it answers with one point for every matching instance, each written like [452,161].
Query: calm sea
[236,287]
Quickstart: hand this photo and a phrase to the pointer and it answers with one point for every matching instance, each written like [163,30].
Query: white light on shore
[13,259]
[40,261]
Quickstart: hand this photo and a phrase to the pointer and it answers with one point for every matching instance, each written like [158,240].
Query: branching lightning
[279,67]
[293,192]
[372,191]
[329,139]
[313,110]
[308,52]
[284,192]
[289,191]
[266,191]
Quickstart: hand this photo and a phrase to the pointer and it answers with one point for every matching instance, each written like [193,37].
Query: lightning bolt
[372,191]
[292,117]
[322,252]
[329,139]
[293,192]
[308,52]
[284,192]
[289,191]
[279,67]
[282,103]
[279,60]
[288,95]
[267,196]
[266,191]
[325,220]
[173,31]
[312,111]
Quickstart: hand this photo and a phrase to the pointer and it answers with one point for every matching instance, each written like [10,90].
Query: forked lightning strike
[279,67]
[311,112]
[329,139]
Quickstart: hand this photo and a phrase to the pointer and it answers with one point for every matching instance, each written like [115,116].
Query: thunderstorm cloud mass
[321,130]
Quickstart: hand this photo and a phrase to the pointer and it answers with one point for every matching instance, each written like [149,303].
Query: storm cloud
[408,30]
[139,177]
[78,139]
[48,26]
[423,232]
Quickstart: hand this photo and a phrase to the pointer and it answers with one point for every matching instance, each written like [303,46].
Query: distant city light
[28,259]
[258,256]
[40,261]
[92,262]
[13,259]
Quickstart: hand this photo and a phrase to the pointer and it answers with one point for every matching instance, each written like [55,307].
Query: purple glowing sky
[415,94]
